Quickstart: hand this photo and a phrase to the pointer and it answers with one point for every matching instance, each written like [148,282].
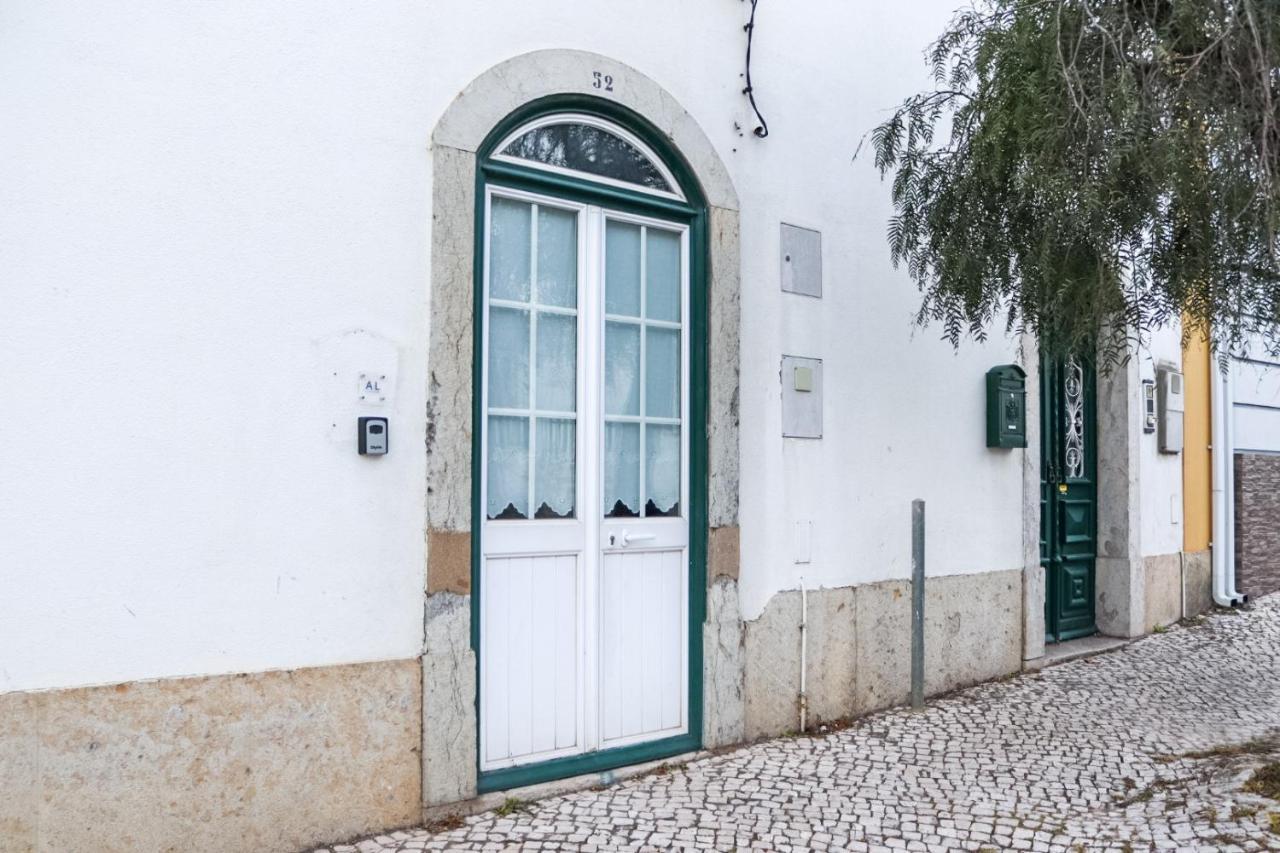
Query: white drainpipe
[1224,534]
[1229,448]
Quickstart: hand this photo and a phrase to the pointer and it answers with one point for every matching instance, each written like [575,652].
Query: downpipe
[1221,463]
[1229,478]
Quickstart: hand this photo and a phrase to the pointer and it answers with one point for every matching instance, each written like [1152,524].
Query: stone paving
[1125,751]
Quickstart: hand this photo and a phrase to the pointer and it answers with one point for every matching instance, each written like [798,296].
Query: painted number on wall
[601,81]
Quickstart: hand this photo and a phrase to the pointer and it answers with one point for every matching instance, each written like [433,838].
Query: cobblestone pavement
[1124,751]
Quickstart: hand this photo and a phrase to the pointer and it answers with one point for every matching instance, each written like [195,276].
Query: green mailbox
[1006,406]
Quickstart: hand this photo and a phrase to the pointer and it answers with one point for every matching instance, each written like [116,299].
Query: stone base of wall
[859,646]
[722,666]
[268,761]
[449,736]
[1257,523]
[1197,575]
[1175,586]
[1162,591]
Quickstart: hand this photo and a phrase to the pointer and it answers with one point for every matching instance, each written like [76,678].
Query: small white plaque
[373,388]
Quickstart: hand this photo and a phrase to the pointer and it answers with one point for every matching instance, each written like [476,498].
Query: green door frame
[1068,505]
[692,212]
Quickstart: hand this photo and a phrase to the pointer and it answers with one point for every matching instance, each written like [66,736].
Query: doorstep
[556,787]
[1084,647]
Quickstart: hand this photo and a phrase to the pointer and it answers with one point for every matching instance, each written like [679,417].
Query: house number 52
[601,81]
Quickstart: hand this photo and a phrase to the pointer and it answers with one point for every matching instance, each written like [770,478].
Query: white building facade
[653,401]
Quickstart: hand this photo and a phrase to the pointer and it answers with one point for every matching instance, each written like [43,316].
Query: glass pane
[508,358]
[621,369]
[508,486]
[622,269]
[557,257]
[621,470]
[662,373]
[587,149]
[509,249]
[662,470]
[662,275]
[553,478]
[557,362]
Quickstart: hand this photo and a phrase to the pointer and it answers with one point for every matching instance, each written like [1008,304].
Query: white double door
[584,480]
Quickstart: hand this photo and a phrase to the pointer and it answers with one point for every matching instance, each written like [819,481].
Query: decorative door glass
[1073,409]
[532,361]
[642,411]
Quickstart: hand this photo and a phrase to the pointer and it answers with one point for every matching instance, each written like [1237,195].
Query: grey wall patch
[801,397]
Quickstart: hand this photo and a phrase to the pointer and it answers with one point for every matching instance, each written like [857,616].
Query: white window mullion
[644,234]
[533,352]
[637,321]
[591,458]
[521,306]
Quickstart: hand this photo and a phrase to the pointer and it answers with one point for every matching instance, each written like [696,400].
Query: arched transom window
[583,144]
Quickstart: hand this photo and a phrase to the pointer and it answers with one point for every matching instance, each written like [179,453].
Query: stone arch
[449,666]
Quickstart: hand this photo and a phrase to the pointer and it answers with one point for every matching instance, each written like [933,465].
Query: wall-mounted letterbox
[1006,406]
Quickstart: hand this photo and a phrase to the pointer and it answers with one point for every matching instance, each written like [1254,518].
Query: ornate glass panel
[1073,407]
[584,148]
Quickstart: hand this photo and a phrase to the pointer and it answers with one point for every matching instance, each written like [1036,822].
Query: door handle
[628,538]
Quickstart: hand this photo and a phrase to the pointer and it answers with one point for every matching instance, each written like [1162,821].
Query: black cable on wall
[763,129]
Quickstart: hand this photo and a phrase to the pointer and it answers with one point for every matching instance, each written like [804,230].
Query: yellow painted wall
[1196,460]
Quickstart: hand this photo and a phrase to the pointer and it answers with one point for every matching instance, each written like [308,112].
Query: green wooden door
[1068,496]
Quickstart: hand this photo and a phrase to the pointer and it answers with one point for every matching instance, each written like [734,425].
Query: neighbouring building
[411,401]
[1253,389]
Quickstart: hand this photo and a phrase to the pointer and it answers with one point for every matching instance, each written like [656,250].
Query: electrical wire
[763,130]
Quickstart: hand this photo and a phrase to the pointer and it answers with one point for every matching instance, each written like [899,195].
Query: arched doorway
[590,486]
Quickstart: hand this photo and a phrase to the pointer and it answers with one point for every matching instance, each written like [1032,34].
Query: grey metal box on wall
[801,260]
[801,397]
[1170,406]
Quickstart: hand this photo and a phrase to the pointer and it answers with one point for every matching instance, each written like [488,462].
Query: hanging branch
[1103,168]
[762,130]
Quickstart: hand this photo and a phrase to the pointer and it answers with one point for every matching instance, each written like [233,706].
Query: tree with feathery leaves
[1090,170]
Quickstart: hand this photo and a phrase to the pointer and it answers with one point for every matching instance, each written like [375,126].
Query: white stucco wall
[1255,391]
[1161,473]
[207,212]
[203,211]
[904,414]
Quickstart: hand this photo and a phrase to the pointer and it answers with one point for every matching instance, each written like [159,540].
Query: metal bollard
[917,603]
